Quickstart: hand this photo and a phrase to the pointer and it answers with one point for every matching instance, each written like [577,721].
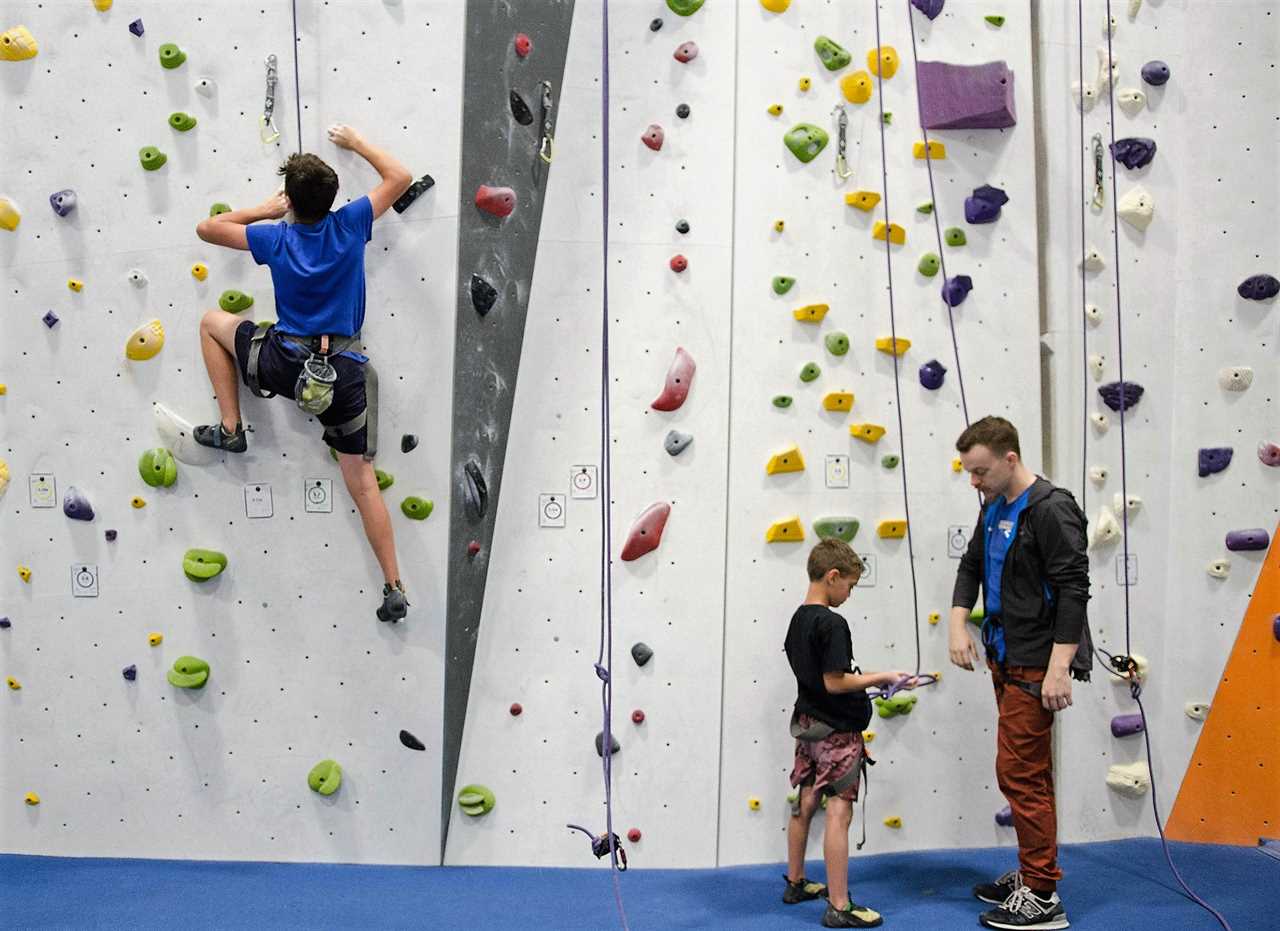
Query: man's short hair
[833,554]
[310,185]
[995,433]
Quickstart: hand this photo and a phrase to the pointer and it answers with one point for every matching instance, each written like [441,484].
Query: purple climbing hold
[5,623]
[50,319]
[1259,287]
[136,28]
[1269,453]
[932,373]
[1275,627]
[1004,817]
[1155,72]
[1134,151]
[930,8]
[110,535]
[1214,459]
[76,506]
[956,290]
[1253,539]
[130,672]
[1126,725]
[63,202]
[1121,395]
[983,205]
[966,96]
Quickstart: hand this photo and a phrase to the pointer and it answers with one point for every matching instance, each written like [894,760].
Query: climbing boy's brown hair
[310,185]
[833,554]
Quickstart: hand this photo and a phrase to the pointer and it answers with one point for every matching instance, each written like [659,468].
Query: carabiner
[544,150]
[842,170]
[1099,194]
[267,131]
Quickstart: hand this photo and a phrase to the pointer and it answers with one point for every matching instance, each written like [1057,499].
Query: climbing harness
[842,169]
[1099,196]
[544,150]
[267,131]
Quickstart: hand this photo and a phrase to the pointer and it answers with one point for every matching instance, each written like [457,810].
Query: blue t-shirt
[1000,524]
[317,269]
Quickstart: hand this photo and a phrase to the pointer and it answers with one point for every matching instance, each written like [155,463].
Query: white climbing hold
[1098,474]
[1131,100]
[1235,377]
[1106,529]
[1118,502]
[1097,365]
[1100,421]
[1107,77]
[1220,568]
[137,278]
[1093,260]
[1137,208]
[1134,7]
[1131,779]
[1196,710]
[1093,314]
[175,434]
[205,87]
[1109,27]
[1085,95]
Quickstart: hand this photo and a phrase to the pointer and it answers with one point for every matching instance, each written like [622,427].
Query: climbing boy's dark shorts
[833,765]
[279,363]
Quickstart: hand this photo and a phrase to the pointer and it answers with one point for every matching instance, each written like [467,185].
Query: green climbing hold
[833,55]
[782,284]
[684,7]
[171,56]
[995,20]
[837,343]
[325,777]
[929,264]
[805,141]
[977,616]
[782,400]
[890,460]
[188,672]
[151,157]
[810,371]
[416,508]
[836,528]
[181,121]
[476,800]
[955,236]
[235,301]
[203,565]
[385,479]
[901,703]
[218,208]
[158,468]
[888,117]
[926,207]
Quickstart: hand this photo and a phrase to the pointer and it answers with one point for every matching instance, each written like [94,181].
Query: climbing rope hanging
[297,87]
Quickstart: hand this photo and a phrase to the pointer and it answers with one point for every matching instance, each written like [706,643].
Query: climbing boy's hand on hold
[344,137]
[275,206]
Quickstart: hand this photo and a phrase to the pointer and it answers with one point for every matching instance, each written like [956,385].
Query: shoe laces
[1022,901]
[1013,876]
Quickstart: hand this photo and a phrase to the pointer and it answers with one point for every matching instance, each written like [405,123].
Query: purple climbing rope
[893,332]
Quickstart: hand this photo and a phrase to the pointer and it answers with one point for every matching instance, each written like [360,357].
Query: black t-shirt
[819,641]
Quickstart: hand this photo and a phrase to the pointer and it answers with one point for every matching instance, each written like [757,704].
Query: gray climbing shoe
[216,436]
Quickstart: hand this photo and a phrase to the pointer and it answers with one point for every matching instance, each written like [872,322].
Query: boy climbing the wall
[831,711]
[317,268]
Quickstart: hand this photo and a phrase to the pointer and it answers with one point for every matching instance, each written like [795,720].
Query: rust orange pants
[1024,771]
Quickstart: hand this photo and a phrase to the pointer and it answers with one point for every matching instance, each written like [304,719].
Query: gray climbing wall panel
[497,151]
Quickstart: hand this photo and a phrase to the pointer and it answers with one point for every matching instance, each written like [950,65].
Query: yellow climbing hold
[863,200]
[897,235]
[785,460]
[775,6]
[867,432]
[891,529]
[75,284]
[936,150]
[9,215]
[4,389]
[775,109]
[810,313]
[893,346]
[856,87]
[102,5]
[199,271]
[31,798]
[4,466]
[805,84]
[13,683]
[886,63]
[785,531]
[934,617]
[24,573]
[754,803]
[18,44]
[893,821]
[137,502]
[868,736]
[155,639]
[145,342]
[957,465]
[838,401]
[779,226]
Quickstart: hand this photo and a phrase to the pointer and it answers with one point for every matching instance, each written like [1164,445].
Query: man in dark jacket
[1028,557]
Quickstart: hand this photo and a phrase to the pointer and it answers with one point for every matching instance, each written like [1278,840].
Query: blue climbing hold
[136,28]
[956,290]
[1214,459]
[1121,395]
[932,373]
[76,506]
[983,205]
[1259,287]
[1155,72]
[1133,151]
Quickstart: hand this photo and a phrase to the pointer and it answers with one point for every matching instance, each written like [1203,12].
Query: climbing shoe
[802,891]
[851,916]
[996,892]
[394,604]
[1027,909]
[216,436]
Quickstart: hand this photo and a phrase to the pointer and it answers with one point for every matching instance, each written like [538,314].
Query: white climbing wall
[301,670]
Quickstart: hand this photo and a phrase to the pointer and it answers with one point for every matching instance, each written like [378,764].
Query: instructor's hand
[344,137]
[1055,693]
[275,206]
[963,652]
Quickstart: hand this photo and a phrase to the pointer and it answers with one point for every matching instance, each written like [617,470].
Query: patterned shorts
[833,765]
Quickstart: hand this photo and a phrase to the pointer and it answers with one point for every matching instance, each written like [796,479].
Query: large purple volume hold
[966,96]
[1126,725]
[930,8]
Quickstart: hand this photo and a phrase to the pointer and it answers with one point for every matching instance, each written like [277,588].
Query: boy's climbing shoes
[217,437]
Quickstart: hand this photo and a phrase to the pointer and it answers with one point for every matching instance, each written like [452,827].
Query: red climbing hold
[499,201]
[679,378]
[679,263]
[634,835]
[686,52]
[637,717]
[516,708]
[646,532]
[473,549]
[524,45]
[653,137]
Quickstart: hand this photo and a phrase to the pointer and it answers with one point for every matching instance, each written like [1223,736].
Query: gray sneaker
[394,604]
[1027,910]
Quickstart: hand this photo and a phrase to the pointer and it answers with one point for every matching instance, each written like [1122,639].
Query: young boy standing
[832,709]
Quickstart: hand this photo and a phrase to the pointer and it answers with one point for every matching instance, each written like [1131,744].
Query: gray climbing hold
[614,746]
[641,653]
[682,226]
[63,202]
[683,111]
[1121,395]
[932,373]
[76,506]
[413,743]
[1259,287]
[836,528]
[475,494]
[408,443]
[520,111]
[1214,459]
[676,442]
[1133,151]
[1155,72]
[956,289]
[782,284]
[837,343]
[983,205]
[483,295]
